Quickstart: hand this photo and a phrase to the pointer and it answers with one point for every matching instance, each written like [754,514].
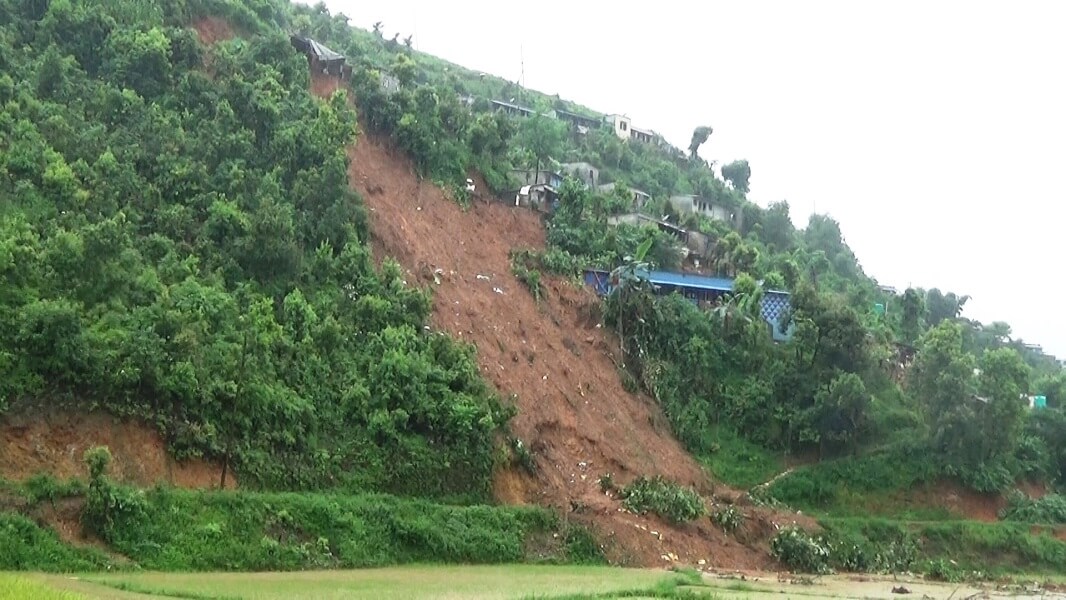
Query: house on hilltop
[704,207]
[584,172]
[620,124]
[640,198]
[581,122]
[321,58]
[774,307]
[646,136]
[516,110]
[539,188]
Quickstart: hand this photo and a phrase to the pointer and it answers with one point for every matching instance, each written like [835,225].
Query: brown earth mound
[573,413]
[55,443]
[213,29]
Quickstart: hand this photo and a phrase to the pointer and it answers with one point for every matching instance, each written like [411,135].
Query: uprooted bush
[663,497]
[801,551]
[729,518]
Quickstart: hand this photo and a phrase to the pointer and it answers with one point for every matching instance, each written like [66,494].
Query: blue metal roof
[688,280]
[700,282]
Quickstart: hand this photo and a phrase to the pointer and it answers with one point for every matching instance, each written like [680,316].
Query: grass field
[517,582]
[400,583]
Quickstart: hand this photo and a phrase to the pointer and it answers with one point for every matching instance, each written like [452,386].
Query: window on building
[622,125]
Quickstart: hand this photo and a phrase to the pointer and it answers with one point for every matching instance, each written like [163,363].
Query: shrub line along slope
[573,414]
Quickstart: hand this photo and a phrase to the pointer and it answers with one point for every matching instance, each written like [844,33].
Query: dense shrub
[28,547]
[1049,509]
[800,550]
[249,531]
[728,518]
[180,244]
[665,498]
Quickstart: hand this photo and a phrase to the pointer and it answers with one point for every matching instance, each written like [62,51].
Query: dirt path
[573,413]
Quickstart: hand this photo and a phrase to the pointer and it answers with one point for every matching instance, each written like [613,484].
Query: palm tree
[626,279]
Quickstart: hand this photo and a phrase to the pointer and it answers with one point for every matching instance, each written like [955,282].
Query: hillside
[235,271]
[552,358]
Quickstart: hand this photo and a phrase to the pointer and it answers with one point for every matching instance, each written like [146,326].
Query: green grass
[849,484]
[738,462]
[404,583]
[247,531]
[26,546]
[993,548]
[15,587]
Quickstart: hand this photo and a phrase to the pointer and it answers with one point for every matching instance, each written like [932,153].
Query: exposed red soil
[573,413]
[54,443]
[958,500]
[213,29]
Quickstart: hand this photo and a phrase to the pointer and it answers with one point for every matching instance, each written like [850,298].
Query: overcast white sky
[935,132]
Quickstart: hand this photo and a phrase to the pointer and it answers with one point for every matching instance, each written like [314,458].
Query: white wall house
[702,206]
[621,124]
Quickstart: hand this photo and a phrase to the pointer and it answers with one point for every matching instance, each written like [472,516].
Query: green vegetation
[950,550]
[411,582]
[665,498]
[242,531]
[181,245]
[729,518]
[736,461]
[1047,509]
[19,588]
[800,551]
[29,547]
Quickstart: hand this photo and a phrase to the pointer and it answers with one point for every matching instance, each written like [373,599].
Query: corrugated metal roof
[688,280]
[324,53]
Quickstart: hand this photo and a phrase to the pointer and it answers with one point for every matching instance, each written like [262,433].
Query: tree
[405,70]
[737,173]
[377,28]
[839,412]
[942,375]
[699,137]
[628,280]
[943,306]
[1003,383]
[543,137]
[408,41]
[778,232]
[911,315]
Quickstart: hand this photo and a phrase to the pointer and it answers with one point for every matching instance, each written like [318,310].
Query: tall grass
[189,530]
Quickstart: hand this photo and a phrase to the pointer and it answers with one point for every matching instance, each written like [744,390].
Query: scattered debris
[483,277]
[899,589]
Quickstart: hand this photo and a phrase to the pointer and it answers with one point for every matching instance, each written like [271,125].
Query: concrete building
[640,198]
[704,207]
[620,124]
[577,120]
[646,136]
[582,171]
[535,177]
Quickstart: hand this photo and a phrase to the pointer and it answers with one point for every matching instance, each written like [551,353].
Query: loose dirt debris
[573,413]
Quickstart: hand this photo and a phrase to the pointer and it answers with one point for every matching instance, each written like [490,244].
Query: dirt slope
[573,413]
[54,443]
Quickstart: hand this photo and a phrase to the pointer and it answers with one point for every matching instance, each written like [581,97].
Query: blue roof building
[775,303]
